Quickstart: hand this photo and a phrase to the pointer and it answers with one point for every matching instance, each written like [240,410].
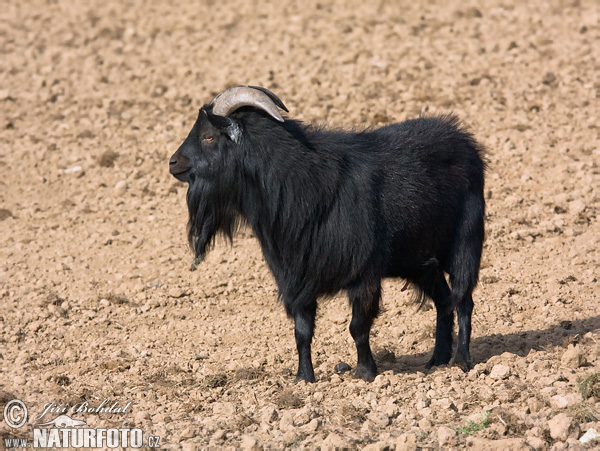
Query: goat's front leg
[304,326]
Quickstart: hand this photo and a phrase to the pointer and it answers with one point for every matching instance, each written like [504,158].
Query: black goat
[337,210]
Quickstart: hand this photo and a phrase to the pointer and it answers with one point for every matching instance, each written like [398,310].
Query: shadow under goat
[341,210]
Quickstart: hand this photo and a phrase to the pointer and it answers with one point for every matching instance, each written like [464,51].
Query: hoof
[364,373]
[304,378]
[438,360]
[464,363]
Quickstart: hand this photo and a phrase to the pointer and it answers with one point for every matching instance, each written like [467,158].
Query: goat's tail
[465,258]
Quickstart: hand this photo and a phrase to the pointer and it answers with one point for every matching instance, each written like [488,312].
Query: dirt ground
[97,299]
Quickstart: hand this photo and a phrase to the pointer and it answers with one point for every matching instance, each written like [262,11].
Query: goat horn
[233,98]
[273,97]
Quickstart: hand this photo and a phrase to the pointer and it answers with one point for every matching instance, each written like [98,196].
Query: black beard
[210,213]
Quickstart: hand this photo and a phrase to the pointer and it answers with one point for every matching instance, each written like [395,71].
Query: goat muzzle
[178,168]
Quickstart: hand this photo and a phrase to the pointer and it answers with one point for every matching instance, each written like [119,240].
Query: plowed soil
[97,299]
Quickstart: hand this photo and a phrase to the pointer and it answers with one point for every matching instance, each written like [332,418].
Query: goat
[338,210]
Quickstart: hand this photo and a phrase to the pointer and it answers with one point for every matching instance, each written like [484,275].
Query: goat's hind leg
[464,271]
[437,289]
[462,358]
[364,298]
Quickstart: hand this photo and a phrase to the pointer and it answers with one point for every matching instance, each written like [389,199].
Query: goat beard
[209,215]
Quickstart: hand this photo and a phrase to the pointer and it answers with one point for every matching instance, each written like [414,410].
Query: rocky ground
[96,293]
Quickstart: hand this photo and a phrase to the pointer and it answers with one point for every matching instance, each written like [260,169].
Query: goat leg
[304,325]
[439,291]
[462,358]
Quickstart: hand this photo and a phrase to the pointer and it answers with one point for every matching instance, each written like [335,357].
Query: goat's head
[214,130]
[206,160]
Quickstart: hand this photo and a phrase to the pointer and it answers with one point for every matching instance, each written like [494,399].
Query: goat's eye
[208,138]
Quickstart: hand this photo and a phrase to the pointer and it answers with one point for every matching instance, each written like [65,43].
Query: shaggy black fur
[338,210]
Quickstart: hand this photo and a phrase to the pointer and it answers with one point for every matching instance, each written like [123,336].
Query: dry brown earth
[96,297]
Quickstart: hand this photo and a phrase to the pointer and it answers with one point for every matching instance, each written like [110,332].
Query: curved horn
[273,97]
[233,98]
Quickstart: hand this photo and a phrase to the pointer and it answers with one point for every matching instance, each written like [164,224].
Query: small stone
[107,158]
[500,372]
[287,421]
[381,381]
[5,214]
[312,425]
[576,207]
[563,401]
[86,134]
[73,170]
[562,427]
[391,410]
[342,367]
[334,441]
[424,424]
[591,435]
[218,435]
[558,402]
[549,79]
[249,442]
[446,436]
[188,433]
[302,417]
[422,402]
[177,292]
[120,188]
[573,357]
[368,428]
[406,441]
[379,419]
[447,404]
[289,436]
[535,442]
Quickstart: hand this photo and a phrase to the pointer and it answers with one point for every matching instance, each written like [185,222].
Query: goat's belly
[412,260]
[404,269]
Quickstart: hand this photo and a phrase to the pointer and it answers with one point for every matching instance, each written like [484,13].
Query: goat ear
[219,122]
[226,125]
